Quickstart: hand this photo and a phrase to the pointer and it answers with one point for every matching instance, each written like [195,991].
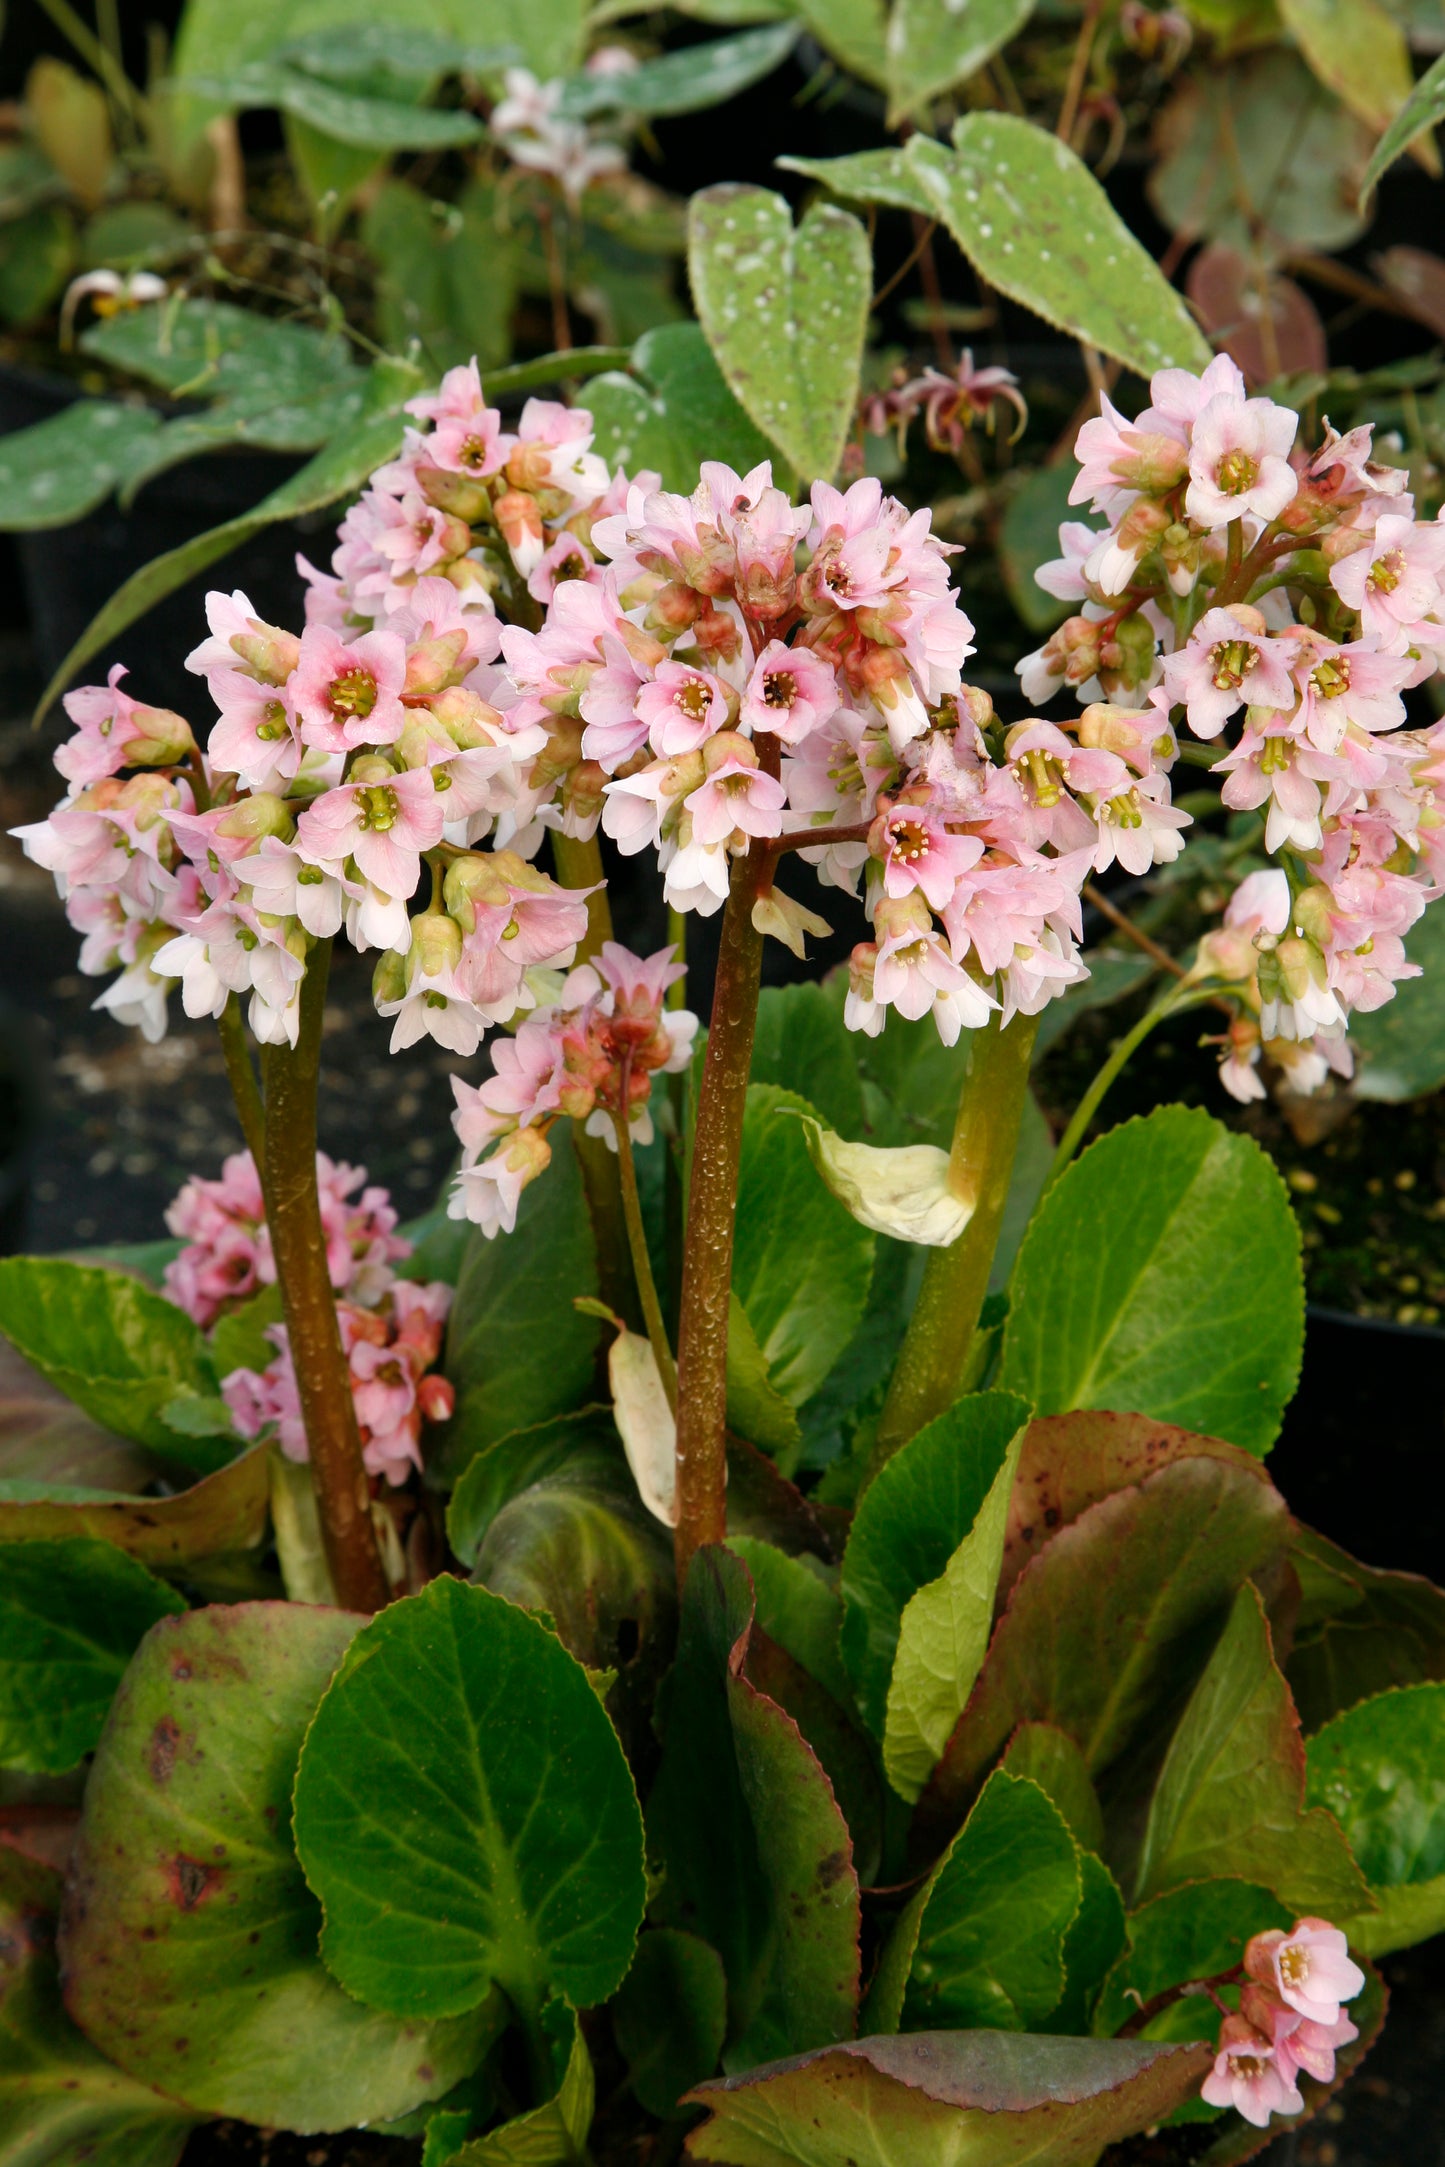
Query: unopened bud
[156,737]
[434,664]
[467,719]
[725,745]
[267,652]
[388,980]
[520,524]
[371,767]
[255,817]
[458,494]
[436,945]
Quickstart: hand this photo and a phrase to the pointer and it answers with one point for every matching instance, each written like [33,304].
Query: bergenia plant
[988,1765]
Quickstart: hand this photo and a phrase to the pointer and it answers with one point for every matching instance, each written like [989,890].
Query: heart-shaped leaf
[190,1937]
[1357,49]
[465,1814]
[72,1614]
[785,313]
[672,411]
[1032,219]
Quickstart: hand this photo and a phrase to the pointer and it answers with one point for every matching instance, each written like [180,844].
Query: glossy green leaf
[943,1637]
[60,2101]
[670,2017]
[801,1264]
[1380,1771]
[514,1299]
[1097,1937]
[1357,49]
[1424,108]
[1229,1800]
[785,313]
[1107,1629]
[1028,536]
[59,469]
[973,2099]
[912,1519]
[224,1512]
[37,256]
[553,2134]
[934,45]
[465,1814]
[447,273]
[115,1348]
[1035,223]
[742,1818]
[1195,1932]
[1162,1276]
[802,1044]
[798,1606]
[848,1757]
[71,1616]
[1401,1047]
[1359,1631]
[214,350]
[673,410]
[1050,1758]
[868,176]
[686,81]
[852,32]
[511,1465]
[989,1950]
[190,1937]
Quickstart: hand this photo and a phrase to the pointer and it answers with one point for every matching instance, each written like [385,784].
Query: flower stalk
[293,1213]
[933,1362]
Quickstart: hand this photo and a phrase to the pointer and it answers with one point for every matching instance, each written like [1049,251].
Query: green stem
[298,1244]
[1173,1003]
[641,1261]
[242,1078]
[933,1362]
[707,1261]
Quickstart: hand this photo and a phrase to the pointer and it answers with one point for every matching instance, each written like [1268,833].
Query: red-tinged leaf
[1265,322]
[1418,279]
[975,2099]
[1359,1631]
[1109,1626]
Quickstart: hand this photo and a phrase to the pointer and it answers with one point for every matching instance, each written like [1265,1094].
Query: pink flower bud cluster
[391,1329]
[1245,584]
[227,1258]
[1289,2019]
[590,1056]
[530,127]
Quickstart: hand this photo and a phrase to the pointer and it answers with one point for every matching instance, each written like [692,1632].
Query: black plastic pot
[69,573]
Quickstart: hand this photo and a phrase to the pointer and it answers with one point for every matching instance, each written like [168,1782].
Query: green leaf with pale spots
[935,44]
[465,1814]
[1230,1796]
[868,176]
[1035,223]
[685,81]
[1378,1770]
[673,410]
[71,1616]
[785,313]
[190,1936]
[61,2102]
[61,468]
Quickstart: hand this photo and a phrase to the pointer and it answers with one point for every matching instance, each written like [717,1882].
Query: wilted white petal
[904,1192]
[645,1421]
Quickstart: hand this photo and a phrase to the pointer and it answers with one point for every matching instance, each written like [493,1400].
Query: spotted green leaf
[935,44]
[63,467]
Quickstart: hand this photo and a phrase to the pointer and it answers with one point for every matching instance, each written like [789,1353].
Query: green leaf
[1093,1944]
[852,32]
[1229,1796]
[1423,109]
[942,1640]
[802,1044]
[515,1299]
[1195,1932]
[71,1616]
[238,1341]
[37,256]
[799,1607]
[465,1815]
[503,1470]
[1028,536]
[1401,1047]
[125,235]
[224,1512]
[1359,1631]
[1357,49]
[868,176]
[1379,1771]
[686,81]
[912,1519]
[1050,1758]
[190,1937]
[933,46]
[448,273]
[370,123]
[756,1409]
[1035,223]
[994,1915]
[973,2098]
[60,2101]
[1162,1276]
[801,1263]
[756,1854]
[115,1348]
[216,350]
[785,314]
[554,2134]
[670,2017]
[673,411]
[57,471]
[1108,1627]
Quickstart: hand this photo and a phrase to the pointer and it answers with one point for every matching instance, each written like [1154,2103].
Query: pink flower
[1269,767]
[240,640]
[383,827]
[1309,1968]
[344,695]
[459,396]
[255,737]
[737,800]
[551,450]
[1248,2076]
[1396,581]
[488,1194]
[114,731]
[682,707]
[1239,461]
[1229,662]
[789,692]
[917,851]
[1343,685]
[1312,2047]
[1178,397]
[471,443]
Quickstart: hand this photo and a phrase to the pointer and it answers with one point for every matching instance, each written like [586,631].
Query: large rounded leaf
[465,1814]
[71,1616]
[1381,1771]
[189,1939]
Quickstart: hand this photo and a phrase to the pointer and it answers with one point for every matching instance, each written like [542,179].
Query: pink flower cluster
[227,1258]
[1244,583]
[531,128]
[1289,2019]
[391,1328]
[591,1056]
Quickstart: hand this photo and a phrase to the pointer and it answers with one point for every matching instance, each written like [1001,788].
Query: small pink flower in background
[1248,2075]
[1310,1968]
[1239,461]
[1178,397]
[345,694]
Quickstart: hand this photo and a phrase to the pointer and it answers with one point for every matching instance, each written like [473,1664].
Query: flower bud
[468,719]
[458,494]
[673,609]
[433,664]
[267,652]
[257,816]
[520,524]
[371,767]
[472,882]
[156,737]
[436,1397]
[436,945]
[388,980]
[725,745]
[468,577]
